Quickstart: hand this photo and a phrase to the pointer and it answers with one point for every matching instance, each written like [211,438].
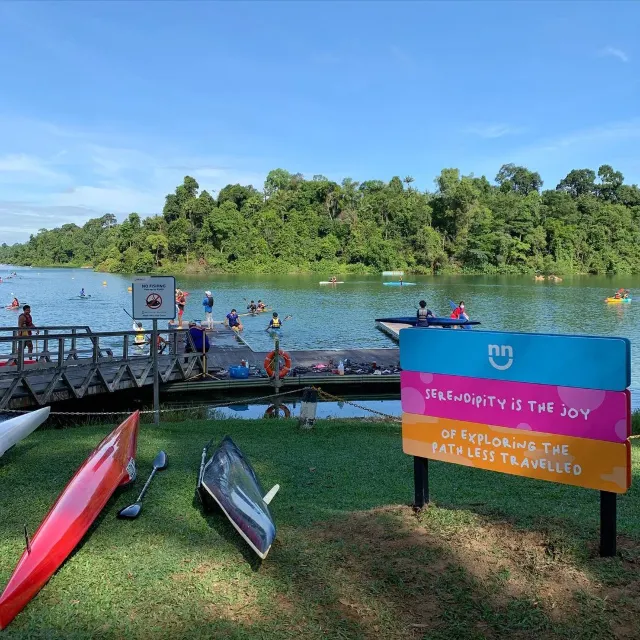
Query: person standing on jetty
[207,303]
[25,324]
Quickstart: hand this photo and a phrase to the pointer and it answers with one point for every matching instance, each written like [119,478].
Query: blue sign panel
[564,360]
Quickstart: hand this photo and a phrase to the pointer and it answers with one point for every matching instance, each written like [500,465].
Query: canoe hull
[435,322]
[230,482]
[399,284]
[110,465]
[617,300]
[16,429]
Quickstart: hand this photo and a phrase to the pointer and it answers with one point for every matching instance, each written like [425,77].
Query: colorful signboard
[593,464]
[567,361]
[584,413]
[542,406]
[154,297]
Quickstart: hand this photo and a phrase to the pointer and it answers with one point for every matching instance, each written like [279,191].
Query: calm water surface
[342,316]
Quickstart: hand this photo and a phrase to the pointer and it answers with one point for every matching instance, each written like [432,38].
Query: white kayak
[329,282]
[16,429]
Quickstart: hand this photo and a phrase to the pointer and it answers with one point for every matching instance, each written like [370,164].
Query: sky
[105,107]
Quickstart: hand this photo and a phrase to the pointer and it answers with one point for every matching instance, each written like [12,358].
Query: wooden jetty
[73,362]
[392,329]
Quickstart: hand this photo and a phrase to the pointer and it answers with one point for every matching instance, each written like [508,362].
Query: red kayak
[112,464]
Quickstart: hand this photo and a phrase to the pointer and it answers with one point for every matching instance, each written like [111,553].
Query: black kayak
[229,481]
[431,322]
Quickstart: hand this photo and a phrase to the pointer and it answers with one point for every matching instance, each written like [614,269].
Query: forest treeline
[588,224]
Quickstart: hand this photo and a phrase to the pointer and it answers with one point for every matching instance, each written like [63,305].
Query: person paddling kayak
[82,292]
[15,304]
[423,314]
[252,308]
[275,322]
[261,306]
[458,313]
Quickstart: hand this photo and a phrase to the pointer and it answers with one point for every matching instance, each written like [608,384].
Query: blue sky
[104,107]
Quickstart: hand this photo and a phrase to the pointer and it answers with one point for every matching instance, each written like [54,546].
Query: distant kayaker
[25,324]
[458,311]
[207,303]
[82,292]
[233,320]
[261,306]
[423,314]
[15,304]
[252,307]
[275,322]
[333,279]
[401,282]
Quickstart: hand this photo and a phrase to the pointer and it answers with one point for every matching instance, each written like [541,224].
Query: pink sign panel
[582,413]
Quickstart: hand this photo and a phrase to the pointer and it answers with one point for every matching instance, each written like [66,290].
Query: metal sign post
[153,299]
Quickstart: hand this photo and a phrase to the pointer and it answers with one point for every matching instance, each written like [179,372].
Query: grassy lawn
[495,556]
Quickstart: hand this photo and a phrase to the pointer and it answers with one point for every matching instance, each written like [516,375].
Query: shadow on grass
[503,556]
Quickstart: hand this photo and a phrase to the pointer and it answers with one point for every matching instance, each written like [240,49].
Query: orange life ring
[269,363]
[271,411]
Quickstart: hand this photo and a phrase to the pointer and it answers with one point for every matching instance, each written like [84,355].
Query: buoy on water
[129,289]
[104,284]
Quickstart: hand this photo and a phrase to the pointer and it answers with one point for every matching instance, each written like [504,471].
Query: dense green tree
[590,223]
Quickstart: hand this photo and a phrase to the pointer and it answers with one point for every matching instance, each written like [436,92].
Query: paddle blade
[160,461]
[131,512]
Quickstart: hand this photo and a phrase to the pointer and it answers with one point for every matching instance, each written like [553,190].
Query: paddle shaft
[146,484]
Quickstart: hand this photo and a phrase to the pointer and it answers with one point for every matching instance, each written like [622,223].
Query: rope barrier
[151,411]
[355,404]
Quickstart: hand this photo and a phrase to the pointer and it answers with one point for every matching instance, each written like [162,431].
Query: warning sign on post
[154,298]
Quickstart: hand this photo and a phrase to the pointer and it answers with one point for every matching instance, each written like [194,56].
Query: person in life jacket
[207,303]
[275,322]
[261,305]
[423,314]
[458,313]
[252,307]
[25,324]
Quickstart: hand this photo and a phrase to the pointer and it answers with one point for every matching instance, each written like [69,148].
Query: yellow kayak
[617,300]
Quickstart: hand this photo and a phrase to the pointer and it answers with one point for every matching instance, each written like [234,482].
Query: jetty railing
[69,362]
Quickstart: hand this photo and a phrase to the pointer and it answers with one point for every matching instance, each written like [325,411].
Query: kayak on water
[329,282]
[80,298]
[617,300]
[431,322]
[229,481]
[399,284]
[16,429]
[111,465]
[10,308]
[254,313]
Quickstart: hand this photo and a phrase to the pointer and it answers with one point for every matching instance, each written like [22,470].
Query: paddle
[133,510]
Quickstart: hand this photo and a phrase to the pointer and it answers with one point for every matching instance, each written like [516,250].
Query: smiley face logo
[500,351]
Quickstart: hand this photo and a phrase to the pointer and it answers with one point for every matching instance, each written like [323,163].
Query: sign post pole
[607,524]
[156,377]
[420,481]
[153,298]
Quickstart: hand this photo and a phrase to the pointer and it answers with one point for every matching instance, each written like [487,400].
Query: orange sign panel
[592,464]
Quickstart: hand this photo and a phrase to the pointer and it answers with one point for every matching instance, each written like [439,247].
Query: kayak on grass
[399,284]
[18,428]
[111,465]
[229,481]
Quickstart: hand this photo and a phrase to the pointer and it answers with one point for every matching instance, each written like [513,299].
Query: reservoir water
[342,315]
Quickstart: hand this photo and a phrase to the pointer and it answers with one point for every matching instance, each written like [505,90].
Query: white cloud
[614,52]
[53,174]
[493,130]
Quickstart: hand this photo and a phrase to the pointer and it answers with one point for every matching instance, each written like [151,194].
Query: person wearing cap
[207,303]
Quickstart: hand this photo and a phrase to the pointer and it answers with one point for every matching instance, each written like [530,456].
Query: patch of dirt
[408,560]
